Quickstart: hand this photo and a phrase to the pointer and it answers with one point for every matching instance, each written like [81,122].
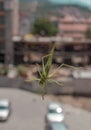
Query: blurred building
[9,27]
[2,30]
[25,22]
[12,6]
[31,50]
[15,17]
[27,17]
[72,27]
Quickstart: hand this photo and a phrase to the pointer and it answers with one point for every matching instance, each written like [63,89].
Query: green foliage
[22,71]
[43,27]
[88,33]
[3,71]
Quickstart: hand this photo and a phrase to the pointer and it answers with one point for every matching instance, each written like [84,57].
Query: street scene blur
[41,86]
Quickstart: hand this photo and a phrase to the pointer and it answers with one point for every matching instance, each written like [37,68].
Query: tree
[44,27]
[88,33]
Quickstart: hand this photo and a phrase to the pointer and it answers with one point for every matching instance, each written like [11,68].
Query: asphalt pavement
[28,111]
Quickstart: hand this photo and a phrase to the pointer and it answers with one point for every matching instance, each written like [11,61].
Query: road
[28,112]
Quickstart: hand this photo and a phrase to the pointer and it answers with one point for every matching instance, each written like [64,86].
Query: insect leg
[69,66]
[34,79]
[39,70]
[43,91]
[52,80]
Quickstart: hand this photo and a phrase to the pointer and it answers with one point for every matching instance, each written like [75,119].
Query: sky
[85,3]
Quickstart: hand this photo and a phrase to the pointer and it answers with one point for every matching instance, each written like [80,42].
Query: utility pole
[9,50]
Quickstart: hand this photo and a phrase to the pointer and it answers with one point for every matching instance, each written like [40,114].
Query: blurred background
[27,30]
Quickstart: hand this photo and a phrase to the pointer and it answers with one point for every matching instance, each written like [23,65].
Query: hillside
[42,7]
[81,3]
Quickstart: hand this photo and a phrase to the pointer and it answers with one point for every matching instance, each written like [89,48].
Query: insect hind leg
[66,65]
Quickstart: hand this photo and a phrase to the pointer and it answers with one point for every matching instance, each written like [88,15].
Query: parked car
[57,126]
[54,113]
[4,109]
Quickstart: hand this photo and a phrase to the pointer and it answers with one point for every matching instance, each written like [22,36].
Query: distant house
[72,27]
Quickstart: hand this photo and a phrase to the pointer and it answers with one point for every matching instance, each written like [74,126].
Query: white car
[4,109]
[54,113]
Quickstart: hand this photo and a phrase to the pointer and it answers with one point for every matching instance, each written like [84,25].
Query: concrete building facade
[15,17]
[9,27]
[2,30]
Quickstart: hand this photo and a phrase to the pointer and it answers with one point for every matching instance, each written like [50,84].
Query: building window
[2,19]
[2,32]
[1,6]
[2,46]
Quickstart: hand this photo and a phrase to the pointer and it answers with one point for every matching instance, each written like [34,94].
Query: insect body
[44,74]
